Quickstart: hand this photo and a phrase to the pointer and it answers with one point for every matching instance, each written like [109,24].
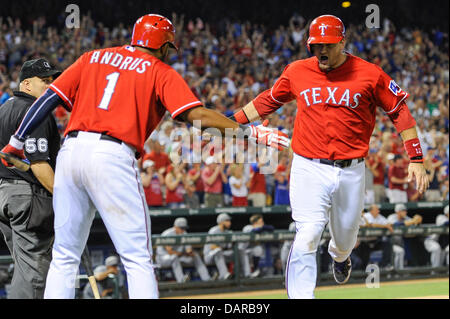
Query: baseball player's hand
[269,136]
[16,150]
[417,171]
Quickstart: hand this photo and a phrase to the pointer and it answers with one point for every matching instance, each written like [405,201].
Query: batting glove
[14,147]
[269,136]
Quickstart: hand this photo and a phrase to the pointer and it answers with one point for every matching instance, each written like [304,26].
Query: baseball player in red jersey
[337,95]
[117,97]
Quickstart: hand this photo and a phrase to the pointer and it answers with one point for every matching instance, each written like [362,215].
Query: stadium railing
[282,209]
[279,236]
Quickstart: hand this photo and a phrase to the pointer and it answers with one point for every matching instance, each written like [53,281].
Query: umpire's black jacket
[42,145]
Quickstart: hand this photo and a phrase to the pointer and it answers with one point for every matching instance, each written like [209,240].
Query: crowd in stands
[226,66]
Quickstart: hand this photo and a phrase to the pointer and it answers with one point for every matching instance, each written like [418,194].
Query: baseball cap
[147,164]
[99,269]
[181,222]
[112,261]
[223,217]
[399,207]
[37,67]
[446,210]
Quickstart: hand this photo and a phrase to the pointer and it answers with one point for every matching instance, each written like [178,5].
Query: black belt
[337,163]
[102,137]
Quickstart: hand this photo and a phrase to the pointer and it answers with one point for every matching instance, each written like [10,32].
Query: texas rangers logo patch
[394,88]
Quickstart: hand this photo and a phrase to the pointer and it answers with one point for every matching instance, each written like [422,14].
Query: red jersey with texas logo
[336,110]
[122,92]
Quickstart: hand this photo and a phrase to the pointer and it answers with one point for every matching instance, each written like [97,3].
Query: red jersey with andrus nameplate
[122,92]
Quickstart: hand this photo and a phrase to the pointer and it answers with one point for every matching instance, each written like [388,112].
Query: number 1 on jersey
[109,90]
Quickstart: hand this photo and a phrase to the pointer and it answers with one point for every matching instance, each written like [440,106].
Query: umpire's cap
[38,67]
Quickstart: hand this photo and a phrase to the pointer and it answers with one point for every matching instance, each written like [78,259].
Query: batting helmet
[326,29]
[153,31]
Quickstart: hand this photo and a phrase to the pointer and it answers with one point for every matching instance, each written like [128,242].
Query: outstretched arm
[261,133]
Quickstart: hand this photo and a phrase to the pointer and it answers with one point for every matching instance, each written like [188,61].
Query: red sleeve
[66,85]
[271,100]
[174,93]
[392,99]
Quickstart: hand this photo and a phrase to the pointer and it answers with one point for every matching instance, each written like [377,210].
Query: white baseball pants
[321,194]
[435,250]
[93,173]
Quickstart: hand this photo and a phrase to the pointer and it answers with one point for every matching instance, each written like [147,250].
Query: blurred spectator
[220,254]
[213,176]
[373,219]
[369,195]
[257,189]
[398,181]
[164,134]
[437,245]
[281,194]
[433,193]
[191,199]
[153,182]
[158,156]
[238,185]
[413,193]
[227,63]
[182,255]
[404,246]
[174,182]
[194,175]
[378,168]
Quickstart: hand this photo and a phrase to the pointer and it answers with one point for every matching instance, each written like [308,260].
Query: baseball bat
[21,164]
[87,264]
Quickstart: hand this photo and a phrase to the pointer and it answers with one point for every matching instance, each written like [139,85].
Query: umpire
[26,212]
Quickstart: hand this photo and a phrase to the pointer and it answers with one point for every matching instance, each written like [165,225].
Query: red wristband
[414,150]
[241,117]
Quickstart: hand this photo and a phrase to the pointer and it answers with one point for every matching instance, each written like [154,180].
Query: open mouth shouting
[323,59]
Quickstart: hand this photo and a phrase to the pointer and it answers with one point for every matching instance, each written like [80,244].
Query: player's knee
[307,238]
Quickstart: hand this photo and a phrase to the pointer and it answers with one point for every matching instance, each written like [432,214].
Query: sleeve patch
[394,88]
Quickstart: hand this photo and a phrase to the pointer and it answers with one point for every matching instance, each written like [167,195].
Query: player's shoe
[342,271]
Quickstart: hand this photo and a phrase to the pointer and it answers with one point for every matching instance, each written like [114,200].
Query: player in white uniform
[432,242]
[337,96]
[181,255]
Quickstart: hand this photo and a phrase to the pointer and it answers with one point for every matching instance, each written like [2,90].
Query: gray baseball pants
[26,222]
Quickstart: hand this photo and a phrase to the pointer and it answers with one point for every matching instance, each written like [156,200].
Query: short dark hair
[255,218]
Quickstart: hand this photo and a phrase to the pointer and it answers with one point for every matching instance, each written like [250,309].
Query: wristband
[414,150]
[240,117]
